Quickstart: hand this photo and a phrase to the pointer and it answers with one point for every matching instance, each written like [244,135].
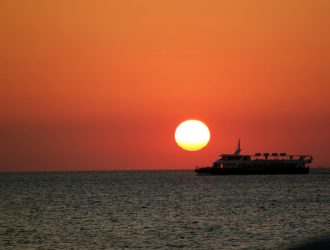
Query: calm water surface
[161,209]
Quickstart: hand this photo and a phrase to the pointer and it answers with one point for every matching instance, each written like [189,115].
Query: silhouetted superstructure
[259,163]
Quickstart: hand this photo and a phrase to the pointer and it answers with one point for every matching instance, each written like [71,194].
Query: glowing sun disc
[192,135]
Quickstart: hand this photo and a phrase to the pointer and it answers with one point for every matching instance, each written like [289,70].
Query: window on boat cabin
[233,157]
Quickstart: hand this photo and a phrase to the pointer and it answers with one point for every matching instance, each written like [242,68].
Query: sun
[192,135]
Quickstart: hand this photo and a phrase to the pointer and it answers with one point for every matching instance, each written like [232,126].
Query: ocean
[162,209]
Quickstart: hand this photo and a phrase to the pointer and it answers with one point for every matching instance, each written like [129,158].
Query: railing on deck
[281,156]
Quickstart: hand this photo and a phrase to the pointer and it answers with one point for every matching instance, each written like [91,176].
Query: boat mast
[238,150]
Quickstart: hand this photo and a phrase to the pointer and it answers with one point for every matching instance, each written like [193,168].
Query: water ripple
[160,209]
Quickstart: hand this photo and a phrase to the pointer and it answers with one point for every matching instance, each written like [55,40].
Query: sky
[102,85]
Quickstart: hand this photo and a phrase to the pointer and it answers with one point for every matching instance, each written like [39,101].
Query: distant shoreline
[116,170]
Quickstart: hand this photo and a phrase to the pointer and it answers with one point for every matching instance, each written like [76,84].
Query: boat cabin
[232,157]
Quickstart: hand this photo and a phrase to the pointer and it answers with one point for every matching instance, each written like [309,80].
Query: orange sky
[96,85]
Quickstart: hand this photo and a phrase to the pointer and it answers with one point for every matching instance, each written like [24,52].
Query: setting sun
[192,135]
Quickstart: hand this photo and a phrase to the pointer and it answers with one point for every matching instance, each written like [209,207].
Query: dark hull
[240,171]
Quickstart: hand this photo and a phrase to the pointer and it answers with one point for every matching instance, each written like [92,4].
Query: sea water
[162,209]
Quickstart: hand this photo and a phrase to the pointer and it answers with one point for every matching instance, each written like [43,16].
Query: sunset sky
[102,85]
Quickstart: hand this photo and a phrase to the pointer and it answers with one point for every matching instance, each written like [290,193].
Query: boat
[259,163]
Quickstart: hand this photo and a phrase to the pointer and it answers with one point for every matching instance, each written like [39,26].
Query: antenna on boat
[238,150]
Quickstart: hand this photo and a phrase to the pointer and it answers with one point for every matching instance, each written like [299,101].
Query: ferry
[259,163]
